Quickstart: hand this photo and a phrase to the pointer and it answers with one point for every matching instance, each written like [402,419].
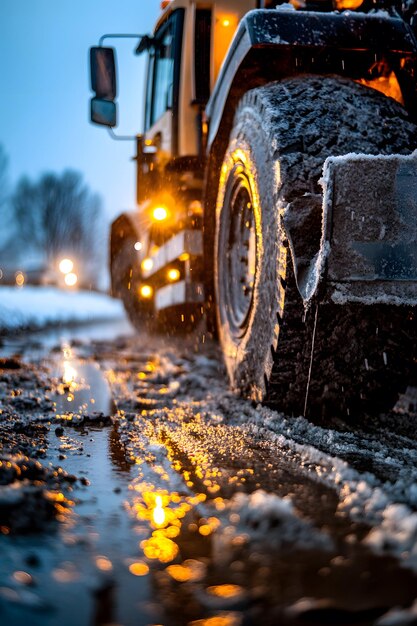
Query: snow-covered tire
[281,136]
[125,280]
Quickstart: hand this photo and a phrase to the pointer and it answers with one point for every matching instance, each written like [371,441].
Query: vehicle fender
[270,45]
[126,225]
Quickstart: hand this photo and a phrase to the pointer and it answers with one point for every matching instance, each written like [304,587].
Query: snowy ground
[37,307]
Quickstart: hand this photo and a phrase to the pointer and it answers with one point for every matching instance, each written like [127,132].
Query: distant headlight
[66,266]
[71,279]
[20,279]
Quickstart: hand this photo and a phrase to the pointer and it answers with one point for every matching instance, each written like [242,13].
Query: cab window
[163,69]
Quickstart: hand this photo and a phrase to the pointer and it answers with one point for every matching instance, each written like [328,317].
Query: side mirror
[103,72]
[103,83]
[103,112]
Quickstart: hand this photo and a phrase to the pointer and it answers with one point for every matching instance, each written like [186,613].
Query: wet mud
[135,489]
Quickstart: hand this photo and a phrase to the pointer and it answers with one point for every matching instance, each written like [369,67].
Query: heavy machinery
[277,193]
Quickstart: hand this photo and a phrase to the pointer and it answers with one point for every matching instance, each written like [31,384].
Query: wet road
[178,503]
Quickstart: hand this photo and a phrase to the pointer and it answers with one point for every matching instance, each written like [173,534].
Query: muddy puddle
[90,567]
[79,572]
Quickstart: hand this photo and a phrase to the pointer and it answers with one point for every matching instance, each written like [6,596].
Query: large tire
[282,134]
[125,272]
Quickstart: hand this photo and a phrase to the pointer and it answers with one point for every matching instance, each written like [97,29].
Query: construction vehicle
[277,194]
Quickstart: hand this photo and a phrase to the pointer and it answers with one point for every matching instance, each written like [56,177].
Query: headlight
[160,214]
[146,292]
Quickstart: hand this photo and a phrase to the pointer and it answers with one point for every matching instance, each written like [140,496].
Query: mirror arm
[120,137]
[117,36]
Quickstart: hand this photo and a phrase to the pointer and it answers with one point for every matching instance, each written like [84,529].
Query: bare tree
[5,213]
[4,163]
[61,216]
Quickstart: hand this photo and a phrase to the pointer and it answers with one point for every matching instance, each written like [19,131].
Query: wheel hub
[238,250]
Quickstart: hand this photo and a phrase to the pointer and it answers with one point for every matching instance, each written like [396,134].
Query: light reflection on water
[163,521]
[81,387]
[164,514]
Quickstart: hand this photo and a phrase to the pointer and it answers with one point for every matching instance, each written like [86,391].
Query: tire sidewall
[248,357]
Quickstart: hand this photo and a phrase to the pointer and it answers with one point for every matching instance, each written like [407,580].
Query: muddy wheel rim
[237,265]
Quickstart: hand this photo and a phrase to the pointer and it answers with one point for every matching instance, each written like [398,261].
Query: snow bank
[36,307]
[266,516]
[399,617]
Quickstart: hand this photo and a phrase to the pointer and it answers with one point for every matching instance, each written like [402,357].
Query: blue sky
[44,104]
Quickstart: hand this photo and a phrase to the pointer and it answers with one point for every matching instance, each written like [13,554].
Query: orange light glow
[195,207]
[179,573]
[161,548]
[139,569]
[345,5]
[160,213]
[225,619]
[191,570]
[387,85]
[20,279]
[71,279]
[205,530]
[173,275]
[147,264]
[225,591]
[146,292]
[226,24]
[164,512]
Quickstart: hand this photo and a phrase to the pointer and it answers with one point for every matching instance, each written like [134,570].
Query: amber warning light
[160,214]
[146,292]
